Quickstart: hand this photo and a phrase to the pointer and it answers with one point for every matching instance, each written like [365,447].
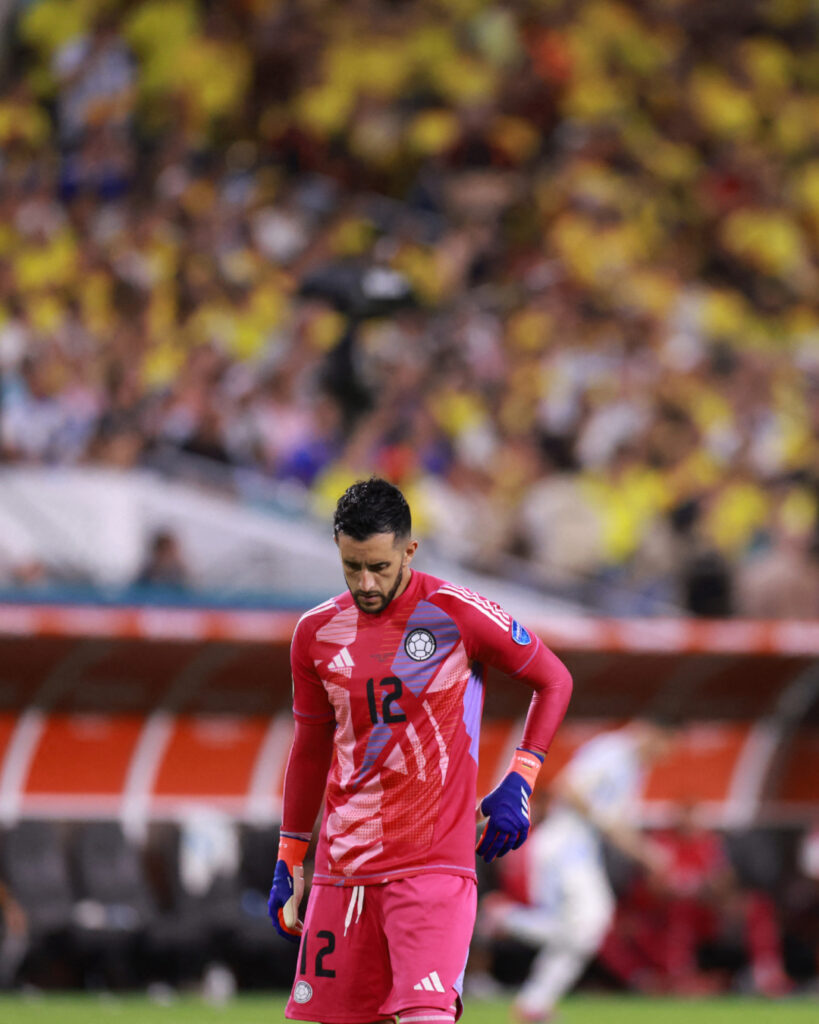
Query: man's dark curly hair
[372,506]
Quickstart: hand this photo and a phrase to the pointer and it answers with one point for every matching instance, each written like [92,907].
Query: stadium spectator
[782,580]
[164,564]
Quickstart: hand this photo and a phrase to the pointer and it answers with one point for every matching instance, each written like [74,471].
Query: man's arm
[620,834]
[492,636]
[507,806]
[309,761]
[552,683]
[305,777]
[305,780]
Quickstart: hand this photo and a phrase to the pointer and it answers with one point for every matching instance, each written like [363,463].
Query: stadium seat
[115,904]
[225,921]
[109,871]
[209,917]
[35,868]
[759,856]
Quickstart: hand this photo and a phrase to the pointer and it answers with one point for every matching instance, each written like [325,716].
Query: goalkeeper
[388,687]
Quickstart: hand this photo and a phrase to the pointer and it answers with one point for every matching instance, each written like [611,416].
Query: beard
[385,598]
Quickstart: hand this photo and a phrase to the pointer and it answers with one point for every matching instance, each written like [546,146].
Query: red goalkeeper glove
[288,886]
[507,807]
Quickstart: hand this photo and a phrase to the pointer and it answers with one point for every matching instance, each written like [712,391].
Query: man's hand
[288,887]
[507,807]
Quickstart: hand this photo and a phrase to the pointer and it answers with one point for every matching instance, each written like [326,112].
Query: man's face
[376,569]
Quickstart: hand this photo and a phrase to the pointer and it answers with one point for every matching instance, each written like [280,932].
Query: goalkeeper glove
[288,886]
[507,807]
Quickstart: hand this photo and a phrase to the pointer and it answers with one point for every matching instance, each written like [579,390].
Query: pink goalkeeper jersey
[405,689]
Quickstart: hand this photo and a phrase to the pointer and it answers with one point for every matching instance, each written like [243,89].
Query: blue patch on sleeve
[519,634]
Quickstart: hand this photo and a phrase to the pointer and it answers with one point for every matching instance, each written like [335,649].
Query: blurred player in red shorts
[387,698]
[662,924]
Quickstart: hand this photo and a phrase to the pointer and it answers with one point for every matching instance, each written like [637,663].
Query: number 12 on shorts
[322,970]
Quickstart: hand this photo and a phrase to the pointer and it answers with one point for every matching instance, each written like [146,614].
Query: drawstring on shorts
[356,901]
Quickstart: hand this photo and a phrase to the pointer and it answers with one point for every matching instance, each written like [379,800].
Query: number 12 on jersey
[395,687]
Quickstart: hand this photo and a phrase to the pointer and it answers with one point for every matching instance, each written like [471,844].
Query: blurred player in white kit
[570,904]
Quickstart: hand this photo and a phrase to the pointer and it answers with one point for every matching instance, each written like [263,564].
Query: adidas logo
[341,661]
[432,983]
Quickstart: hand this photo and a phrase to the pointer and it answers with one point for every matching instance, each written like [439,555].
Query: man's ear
[409,551]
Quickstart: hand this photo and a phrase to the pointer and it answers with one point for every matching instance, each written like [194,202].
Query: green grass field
[269,1009]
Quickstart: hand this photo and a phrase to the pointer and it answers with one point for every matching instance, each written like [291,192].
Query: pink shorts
[370,952]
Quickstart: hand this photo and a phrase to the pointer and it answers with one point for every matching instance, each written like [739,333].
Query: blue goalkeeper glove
[507,807]
[288,887]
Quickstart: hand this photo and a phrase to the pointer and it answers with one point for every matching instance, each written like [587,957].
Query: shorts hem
[457,1003]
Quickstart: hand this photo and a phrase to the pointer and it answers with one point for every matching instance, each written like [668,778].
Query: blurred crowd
[551,266]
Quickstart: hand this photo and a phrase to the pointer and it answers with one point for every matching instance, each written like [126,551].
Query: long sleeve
[495,638]
[552,683]
[305,778]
